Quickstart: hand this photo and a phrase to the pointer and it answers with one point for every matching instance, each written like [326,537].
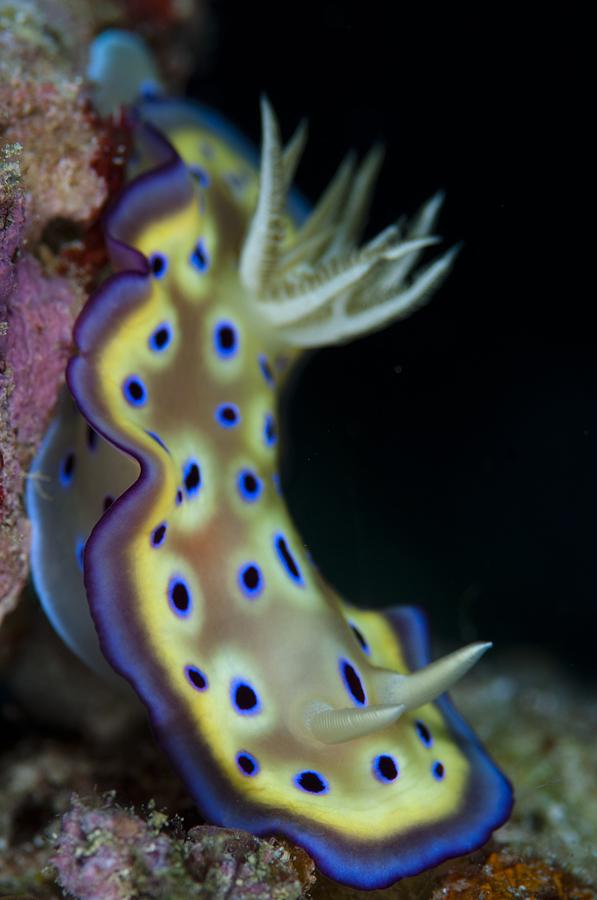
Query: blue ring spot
[247,763]
[270,435]
[424,733]
[134,391]
[287,559]
[250,486]
[311,782]
[158,263]
[250,580]
[266,370]
[353,682]
[196,678]
[244,698]
[67,469]
[160,338]
[79,550]
[200,257]
[158,535]
[226,339]
[227,415]
[385,768]
[179,596]
[191,476]
[438,770]
[360,638]
[157,439]
[200,174]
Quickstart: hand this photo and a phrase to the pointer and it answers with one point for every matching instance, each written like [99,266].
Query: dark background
[444,461]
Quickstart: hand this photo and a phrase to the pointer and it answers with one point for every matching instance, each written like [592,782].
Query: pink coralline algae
[60,182]
[108,853]
[230,863]
[36,313]
[60,164]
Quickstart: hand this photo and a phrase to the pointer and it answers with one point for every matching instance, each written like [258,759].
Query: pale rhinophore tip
[335,726]
[318,286]
[121,70]
[431,682]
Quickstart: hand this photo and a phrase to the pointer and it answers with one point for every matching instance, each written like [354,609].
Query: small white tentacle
[429,683]
[336,726]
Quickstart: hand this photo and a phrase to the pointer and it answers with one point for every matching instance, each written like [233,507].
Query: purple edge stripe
[122,640]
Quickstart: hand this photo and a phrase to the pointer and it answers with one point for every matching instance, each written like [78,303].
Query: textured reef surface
[59,166]
[88,801]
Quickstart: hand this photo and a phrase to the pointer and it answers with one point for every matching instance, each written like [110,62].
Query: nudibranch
[162,549]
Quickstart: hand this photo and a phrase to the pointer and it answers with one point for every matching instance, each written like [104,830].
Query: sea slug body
[285,709]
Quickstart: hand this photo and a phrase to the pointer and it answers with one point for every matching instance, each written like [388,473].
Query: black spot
[158,535]
[161,337]
[387,768]
[251,578]
[311,782]
[179,595]
[134,391]
[192,478]
[353,683]
[250,483]
[360,638]
[266,370]
[227,337]
[68,468]
[270,430]
[246,763]
[158,264]
[91,438]
[108,501]
[229,414]
[196,677]
[199,257]
[423,733]
[245,697]
[287,558]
